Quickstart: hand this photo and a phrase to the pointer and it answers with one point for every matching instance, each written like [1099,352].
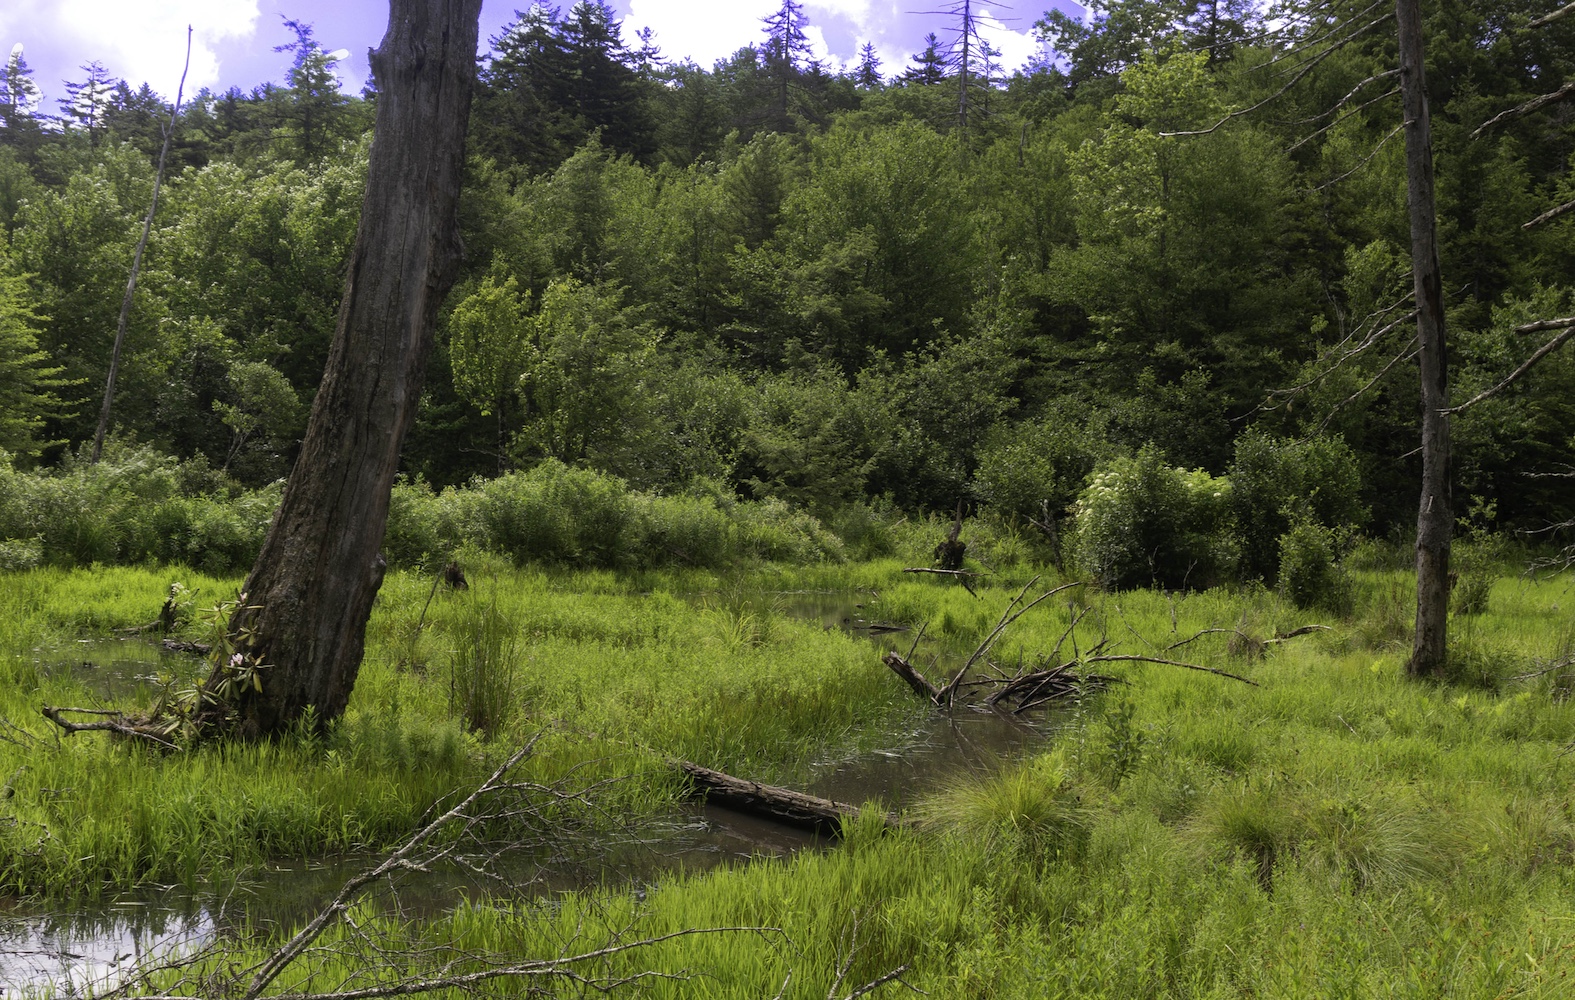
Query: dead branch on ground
[1245,642]
[112,722]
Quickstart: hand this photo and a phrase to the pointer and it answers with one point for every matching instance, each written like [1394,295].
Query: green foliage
[1310,571]
[1141,521]
[29,385]
[555,513]
[488,348]
[584,378]
[558,515]
[135,505]
[1277,483]
[1026,468]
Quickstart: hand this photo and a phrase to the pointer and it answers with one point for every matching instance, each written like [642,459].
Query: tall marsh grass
[1337,830]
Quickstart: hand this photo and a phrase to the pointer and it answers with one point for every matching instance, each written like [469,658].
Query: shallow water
[116,670]
[79,947]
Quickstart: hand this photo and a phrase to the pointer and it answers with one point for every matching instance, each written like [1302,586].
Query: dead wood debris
[771,802]
[949,553]
[109,722]
[1053,677]
[1244,643]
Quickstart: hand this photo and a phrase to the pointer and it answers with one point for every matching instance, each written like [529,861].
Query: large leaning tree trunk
[1435,520]
[301,627]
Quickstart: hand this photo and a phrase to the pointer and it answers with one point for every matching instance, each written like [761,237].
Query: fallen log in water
[781,805]
[902,668]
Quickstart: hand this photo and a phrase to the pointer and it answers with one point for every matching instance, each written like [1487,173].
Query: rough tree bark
[309,595]
[1435,519]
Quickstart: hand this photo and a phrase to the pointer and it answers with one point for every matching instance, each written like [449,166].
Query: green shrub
[1142,522]
[773,529]
[133,506]
[867,532]
[1025,467]
[555,513]
[1276,481]
[20,554]
[1476,561]
[415,535]
[1310,574]
[688,530]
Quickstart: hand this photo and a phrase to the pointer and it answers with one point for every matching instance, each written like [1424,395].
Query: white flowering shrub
[1141,522]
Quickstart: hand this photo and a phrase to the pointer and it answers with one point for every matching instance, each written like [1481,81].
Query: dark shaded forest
[1179,242]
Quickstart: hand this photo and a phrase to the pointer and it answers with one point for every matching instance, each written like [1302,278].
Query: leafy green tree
[585,379]
[1186,254]
[1112,36]
[75,243]
[882,238]
[490,348]
[262,253]
[16,186]
[265,417]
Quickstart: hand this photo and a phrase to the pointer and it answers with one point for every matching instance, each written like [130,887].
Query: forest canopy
[1173,238]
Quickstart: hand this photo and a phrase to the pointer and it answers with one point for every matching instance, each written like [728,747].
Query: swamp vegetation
[729,352]
[1336,830]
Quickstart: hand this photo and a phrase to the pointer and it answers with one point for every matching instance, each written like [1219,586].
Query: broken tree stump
[781,805]
[949,553]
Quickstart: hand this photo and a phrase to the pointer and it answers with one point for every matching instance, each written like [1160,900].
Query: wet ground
[72,949]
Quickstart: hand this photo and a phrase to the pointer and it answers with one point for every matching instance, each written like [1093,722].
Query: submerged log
[781,805]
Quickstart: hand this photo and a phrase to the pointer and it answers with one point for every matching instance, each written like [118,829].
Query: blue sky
[144,40]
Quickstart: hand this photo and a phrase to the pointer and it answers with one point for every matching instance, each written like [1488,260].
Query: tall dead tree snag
[301,627]
[1435,519]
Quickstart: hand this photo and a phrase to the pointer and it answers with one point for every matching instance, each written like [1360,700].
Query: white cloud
[1017,47]
[703,30]
[137,41]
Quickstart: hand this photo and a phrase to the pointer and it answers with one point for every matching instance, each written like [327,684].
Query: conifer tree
[521,115]
[28,382]
[84,106]
[19,101]
[786,54]
[867,74]
[1219,25]
[928,67]
[604,89]
[136,116]
[314,111]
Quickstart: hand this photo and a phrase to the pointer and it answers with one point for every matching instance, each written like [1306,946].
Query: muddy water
[74,949]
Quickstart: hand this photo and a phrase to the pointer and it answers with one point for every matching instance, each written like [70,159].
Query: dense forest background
[895,288]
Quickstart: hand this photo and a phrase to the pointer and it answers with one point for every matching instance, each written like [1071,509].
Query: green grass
[622,677]
[1339,830]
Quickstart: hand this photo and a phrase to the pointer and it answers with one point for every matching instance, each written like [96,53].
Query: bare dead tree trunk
[136,266]
[309,595]
[1435,520]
